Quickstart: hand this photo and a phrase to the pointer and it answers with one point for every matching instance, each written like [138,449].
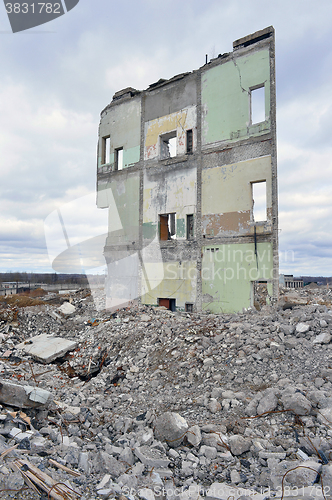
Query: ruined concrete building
[188,171]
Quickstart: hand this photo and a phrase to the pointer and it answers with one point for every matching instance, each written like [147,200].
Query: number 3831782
[32,8]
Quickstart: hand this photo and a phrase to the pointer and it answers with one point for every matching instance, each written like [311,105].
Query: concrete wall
[228,272]
[168,190]
[122,123]
[227,203]
[226,97]
[179,93]
[231,152]
[180,121]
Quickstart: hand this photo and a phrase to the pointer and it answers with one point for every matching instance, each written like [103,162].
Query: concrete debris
[23,396]
[148,403]
[323,338]
[302,328]
[46,348]
[296,402]
[194,436]
[171,427]
[239,444]
[67,309]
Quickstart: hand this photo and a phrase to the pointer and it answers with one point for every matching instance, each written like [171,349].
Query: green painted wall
[226,97]
[130,156]
[126,196]
[180,228]
[149,230]
[122,198]
[123,124]
[227,273]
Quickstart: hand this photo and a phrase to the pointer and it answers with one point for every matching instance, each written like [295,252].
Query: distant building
[188,171]
[8,288]
[291,282]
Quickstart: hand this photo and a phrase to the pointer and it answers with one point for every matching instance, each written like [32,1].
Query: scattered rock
[323,338]
[171,427]
[239,444]
[194,436]
[302,328]
[296,402]
[23,396]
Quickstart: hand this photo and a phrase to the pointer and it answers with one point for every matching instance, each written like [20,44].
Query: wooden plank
[4,453]
[63,467]
[46,482]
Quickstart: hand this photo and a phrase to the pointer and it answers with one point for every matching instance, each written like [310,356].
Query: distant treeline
[48,278]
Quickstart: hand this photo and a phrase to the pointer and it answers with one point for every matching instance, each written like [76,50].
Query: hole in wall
[259,201]
[257,105]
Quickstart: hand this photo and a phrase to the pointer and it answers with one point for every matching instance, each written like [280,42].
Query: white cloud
[55,85]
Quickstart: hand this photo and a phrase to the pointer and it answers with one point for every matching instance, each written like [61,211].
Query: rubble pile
[147,403]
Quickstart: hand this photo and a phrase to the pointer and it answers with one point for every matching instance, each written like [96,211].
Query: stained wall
[227,203]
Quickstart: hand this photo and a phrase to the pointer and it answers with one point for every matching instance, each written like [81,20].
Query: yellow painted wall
[180,121]
[179,282]
[227,197]
[228,188]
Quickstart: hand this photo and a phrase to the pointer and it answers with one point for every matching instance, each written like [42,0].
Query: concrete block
[67,309]
[151,457]
[23,396]
[170,427]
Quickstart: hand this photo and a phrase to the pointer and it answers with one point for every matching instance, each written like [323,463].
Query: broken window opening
[105,150]
[190,226]
[168,303]
[189,141]
[257,98]
[167,227]
[168,145]
[259,212]
[118,161]
[259,294]
[189,307]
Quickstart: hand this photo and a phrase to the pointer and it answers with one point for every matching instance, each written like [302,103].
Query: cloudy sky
[55,80]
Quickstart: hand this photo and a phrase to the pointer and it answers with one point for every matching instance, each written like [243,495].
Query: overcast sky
[56,79]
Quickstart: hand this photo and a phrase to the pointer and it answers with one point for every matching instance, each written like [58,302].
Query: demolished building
[188,171]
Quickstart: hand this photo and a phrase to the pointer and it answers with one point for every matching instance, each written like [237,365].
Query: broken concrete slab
[56,316]
[46,348]
[67,309]
[23,396]
[151,457]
